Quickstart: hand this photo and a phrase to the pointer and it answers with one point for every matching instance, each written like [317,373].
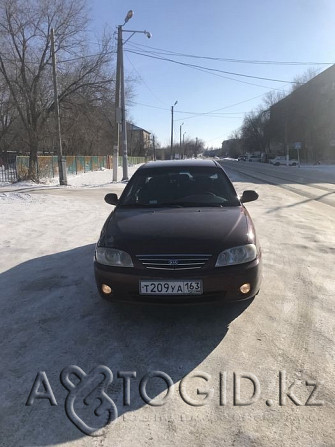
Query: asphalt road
[256,374]
[310,182]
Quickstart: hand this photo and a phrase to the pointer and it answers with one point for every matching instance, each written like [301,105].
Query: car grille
[174,262]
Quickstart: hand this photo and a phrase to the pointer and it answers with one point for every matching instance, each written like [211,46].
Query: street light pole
[120,98]
[124,144]
[118,116]
[154,147]
[183,145]
[171,148]
[180,137]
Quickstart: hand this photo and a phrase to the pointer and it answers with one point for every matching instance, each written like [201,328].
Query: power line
[146,85]
[77,58]
[214,70]
[201,68]
[226,107]
[204,70]
[210,114]
[215,115]
[232,60]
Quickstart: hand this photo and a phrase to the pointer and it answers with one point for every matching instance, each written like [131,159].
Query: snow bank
[88,179]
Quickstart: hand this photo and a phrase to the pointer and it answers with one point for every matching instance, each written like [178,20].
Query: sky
[237,37]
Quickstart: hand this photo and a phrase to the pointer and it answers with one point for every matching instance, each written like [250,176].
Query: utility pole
[124,121]
[120,94]
[154,147]
[180,139]
[61,159]
[118,114]
[171,148]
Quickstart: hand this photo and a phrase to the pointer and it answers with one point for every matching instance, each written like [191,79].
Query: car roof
[180,163]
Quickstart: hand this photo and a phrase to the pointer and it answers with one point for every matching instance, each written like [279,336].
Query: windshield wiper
[134,205]
[177,205]
[150,205]
[169,204]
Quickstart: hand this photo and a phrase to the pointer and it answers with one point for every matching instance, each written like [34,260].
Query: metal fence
[47,165]
[8,167]
[134,160]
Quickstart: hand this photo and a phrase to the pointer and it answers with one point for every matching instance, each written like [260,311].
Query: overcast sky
[193,32]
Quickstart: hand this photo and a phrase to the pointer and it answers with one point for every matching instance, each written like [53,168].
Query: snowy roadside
[90,179]
[104,177]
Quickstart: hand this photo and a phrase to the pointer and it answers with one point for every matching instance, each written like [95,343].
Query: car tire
[277,164]
[294,164]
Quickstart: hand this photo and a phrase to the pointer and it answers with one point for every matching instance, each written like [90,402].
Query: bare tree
[193,147]
[305,77]
[233,146]
[25,60]
[254,130]
[88,125]
[272,97]
[7,117]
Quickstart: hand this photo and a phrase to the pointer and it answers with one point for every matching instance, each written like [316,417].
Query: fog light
[245,288]
[106,289]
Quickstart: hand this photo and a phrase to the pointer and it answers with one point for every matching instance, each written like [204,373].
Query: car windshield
[179,187]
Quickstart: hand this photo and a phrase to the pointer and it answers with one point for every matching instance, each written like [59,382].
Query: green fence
[134,160]
[47,165]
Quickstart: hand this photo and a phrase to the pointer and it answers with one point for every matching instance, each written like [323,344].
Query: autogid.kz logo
[90,408]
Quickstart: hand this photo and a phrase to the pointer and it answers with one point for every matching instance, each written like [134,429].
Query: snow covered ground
[51,316]
[88,179]
[28,214]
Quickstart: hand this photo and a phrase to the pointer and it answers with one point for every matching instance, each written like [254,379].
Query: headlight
[113,256]
[237,255]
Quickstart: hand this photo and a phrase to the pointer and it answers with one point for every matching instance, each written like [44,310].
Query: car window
[179,187]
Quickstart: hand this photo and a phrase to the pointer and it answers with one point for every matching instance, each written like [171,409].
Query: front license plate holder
[171,287]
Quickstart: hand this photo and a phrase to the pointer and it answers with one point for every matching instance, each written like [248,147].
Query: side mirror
[111,199]
[249,196]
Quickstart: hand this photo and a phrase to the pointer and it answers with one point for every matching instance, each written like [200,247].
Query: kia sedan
[179,233]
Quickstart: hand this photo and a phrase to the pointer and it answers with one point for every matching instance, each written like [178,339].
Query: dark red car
[178,233]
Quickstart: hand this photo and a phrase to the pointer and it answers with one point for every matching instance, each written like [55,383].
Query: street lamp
[120,111]
[183,145]
[171,149]
[129,15]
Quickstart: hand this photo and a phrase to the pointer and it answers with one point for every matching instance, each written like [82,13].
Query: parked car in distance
[179,233]
[242,158]
[281,160]
[254,158]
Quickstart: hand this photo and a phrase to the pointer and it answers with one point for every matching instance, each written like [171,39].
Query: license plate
[170,287]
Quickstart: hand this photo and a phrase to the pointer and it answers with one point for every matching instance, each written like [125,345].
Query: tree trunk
[33,168]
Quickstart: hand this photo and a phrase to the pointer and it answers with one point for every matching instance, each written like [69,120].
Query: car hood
[177,230]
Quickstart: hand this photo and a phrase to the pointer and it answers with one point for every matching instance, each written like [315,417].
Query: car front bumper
[219,284]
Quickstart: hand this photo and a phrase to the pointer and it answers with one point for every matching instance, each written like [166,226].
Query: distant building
[305,119]
[138,140]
